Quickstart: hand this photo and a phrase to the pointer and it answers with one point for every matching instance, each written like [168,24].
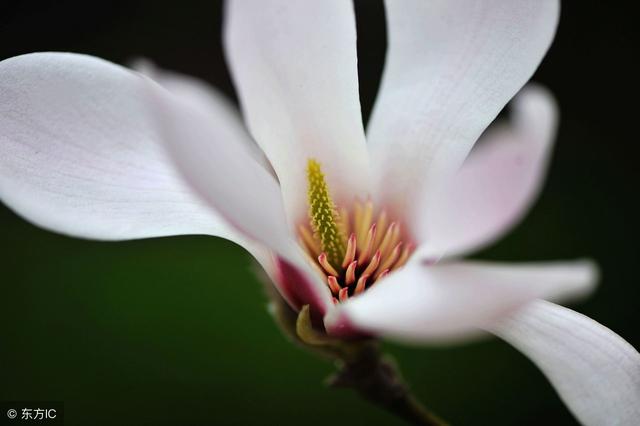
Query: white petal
[199,94]
[295,68]
[79,153]
[452,300]
[595,372]
[298,285]
[236,185]
[451,67]
[497,183]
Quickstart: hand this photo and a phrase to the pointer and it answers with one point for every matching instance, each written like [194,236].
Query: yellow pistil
[324,216]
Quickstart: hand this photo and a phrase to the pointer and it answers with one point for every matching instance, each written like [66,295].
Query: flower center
[353,246]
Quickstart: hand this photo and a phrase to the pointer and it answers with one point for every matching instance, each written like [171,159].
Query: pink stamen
[388,236]
[389,261]
[344,294]
[350,275]
[368,245]
[351,251]
[333,284]
[375,261]
[322,260]
[375,247]
[362,282]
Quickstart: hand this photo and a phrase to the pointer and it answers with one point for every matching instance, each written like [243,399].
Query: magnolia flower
[367,229]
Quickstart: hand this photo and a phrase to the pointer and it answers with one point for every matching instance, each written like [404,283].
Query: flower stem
[361,366]
[377,379]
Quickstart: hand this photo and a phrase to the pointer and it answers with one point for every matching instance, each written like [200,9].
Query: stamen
[322,260]
[395,237]
[350,276]
[351,251]
[389,261]
[344,294]
[333,284]
[382,224]
[408,249]
[368,245]
[375,246]
[314,263]
[386,241]
[344,221]
[357,219]
[371,268]
[362,282]
[367,215]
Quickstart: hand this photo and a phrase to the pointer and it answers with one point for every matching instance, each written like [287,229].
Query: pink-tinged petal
[235,184]
[200,95]
[294,65]
[451,66]
[80,154]
[299,287]
[497,183]
[338,324]
[595,371]
[424,303]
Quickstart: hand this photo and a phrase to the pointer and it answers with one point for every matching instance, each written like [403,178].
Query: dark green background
[175,330]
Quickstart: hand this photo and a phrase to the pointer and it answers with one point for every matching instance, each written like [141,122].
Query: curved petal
[295,285]
[451,67]
[79,153]
[497,183]
[200,95]
[295,68]
[234,183]
[452,300]
[595,372]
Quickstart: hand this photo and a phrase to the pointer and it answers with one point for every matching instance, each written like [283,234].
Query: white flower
[82,152]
